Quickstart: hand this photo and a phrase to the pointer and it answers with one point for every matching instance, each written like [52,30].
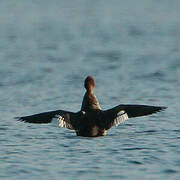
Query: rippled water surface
[47,48]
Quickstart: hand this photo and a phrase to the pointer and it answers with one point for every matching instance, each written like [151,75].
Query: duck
[91,120]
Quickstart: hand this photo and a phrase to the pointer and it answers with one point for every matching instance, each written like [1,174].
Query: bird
[91,120]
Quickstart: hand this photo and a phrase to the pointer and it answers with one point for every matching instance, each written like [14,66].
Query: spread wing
[45,117]
[66,119]
[120,113]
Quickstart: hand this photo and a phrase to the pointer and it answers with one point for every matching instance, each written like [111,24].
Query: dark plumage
[91,121]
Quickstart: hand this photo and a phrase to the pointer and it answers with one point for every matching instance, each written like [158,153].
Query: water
[132,48]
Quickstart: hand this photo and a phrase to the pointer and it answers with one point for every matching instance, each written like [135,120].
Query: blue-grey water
[47,48]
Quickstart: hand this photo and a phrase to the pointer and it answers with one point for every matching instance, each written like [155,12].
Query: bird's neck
[90,101]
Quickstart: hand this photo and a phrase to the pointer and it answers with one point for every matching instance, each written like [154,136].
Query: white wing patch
[121,117]
[63,123]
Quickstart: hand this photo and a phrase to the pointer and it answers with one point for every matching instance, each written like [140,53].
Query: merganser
[91,120]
